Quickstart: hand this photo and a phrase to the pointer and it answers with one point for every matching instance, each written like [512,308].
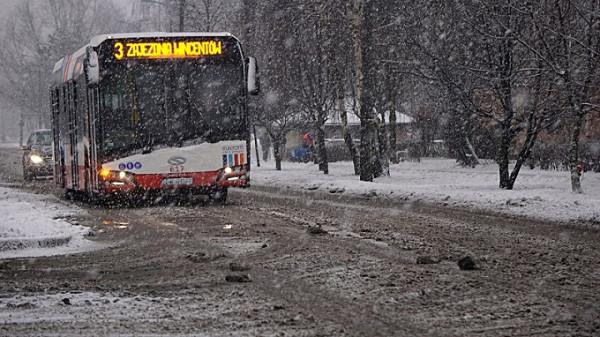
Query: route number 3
[119,51]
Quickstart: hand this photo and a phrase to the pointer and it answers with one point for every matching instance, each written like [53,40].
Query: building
[333,126]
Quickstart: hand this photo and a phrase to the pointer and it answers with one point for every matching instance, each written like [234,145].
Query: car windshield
[41,139]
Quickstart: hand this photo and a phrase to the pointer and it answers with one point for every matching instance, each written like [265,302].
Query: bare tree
[36,36]
[570,47]
[364,82]
[492,80]
[207,15]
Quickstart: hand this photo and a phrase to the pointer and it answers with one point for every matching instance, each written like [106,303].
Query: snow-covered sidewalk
[33,225]
[539,194]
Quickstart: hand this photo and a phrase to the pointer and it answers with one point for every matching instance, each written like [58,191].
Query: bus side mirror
[92,67]
[253,77]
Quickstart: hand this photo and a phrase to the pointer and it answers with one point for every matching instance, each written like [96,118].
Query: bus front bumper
[198,183]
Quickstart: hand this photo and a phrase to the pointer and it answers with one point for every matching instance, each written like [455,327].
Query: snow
[50,308]
[9,145]
[537,194]
[353,119]
[34,225]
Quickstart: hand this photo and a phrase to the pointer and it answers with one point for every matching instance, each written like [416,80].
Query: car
[37,156]
[300,154]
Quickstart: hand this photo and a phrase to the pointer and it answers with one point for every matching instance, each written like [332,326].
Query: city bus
[139,115]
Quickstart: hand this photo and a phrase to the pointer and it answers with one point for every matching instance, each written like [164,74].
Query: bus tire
[218,196]
[68,194]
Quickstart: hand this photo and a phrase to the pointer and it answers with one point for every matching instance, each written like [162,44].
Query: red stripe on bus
[66,70]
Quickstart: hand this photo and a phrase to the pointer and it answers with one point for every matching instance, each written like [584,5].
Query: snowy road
[382,269]
[378,272]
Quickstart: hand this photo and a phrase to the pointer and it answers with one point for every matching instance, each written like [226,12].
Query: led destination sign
[167,50]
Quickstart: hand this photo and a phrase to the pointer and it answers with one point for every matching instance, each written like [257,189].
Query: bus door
[55,108]
[92,151]
[72,131]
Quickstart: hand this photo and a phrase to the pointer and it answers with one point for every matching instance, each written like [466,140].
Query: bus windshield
[148,104]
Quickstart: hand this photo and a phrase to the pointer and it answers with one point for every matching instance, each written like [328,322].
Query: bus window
[118,127]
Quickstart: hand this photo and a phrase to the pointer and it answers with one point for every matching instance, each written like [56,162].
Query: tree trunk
[474,156]
[574,161]
[392,127]
[364,82]
[277,152]
[320,138]
[523,155]
[502,159]
[384,148]
[506,132]
[534,125]
[384,132]
[255,146]
[345,132]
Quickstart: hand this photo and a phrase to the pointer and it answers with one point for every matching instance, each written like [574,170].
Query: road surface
[260,267]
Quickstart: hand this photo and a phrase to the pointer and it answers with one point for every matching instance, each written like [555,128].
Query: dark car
[37,156]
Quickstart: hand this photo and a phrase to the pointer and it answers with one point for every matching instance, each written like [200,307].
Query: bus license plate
[177,182]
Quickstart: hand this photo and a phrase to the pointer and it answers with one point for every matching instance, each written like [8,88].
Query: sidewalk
[538,194]
[34,225]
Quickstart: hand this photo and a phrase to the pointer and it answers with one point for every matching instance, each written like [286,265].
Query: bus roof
[71,66]
[97,40]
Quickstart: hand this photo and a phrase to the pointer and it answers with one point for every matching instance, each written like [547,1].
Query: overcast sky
[6,6]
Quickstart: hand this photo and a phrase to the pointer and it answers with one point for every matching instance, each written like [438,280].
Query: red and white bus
[140,113]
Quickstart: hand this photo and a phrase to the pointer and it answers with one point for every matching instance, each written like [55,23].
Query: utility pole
[247,20]
[21,126]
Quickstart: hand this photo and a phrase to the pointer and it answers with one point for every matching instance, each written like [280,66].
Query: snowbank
[539,194]
[32,226]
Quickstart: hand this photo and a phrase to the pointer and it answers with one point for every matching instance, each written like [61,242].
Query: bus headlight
[107,175]
[228,170]
[36,159]
[104,173]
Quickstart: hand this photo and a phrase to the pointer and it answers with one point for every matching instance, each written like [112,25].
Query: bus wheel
[218,196]
[69,194]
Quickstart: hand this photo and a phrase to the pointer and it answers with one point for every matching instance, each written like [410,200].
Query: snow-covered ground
[33,225]
[538,194]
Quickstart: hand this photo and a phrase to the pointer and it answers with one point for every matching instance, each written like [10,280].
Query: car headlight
[36,159]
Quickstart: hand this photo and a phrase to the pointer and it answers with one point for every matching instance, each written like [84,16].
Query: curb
[19,244]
